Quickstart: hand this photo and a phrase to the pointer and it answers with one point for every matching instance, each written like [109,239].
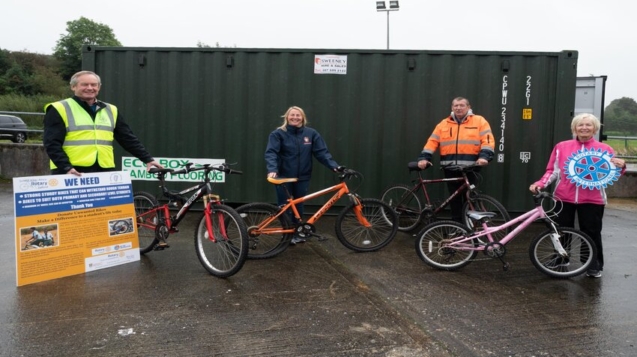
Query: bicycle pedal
[161,246]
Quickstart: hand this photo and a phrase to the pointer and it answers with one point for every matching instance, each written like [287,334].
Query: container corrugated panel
[223,103]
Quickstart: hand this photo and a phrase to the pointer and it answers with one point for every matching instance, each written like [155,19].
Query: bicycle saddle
[281,180]
[478,215]
[413,166]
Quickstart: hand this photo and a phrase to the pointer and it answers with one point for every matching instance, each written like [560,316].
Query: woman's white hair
[584,116]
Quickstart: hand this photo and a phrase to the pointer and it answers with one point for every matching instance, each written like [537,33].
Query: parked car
[11,128]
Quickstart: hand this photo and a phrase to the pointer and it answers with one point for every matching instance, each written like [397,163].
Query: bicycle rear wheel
[432,245]
[225,255]
[144,202]
[355,236]
[263,246]
[406,204]
[484,203]
[581,250]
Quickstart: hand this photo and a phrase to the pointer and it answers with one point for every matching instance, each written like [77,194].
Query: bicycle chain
[478,260]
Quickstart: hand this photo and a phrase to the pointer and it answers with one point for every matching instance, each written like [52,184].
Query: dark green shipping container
[221,103]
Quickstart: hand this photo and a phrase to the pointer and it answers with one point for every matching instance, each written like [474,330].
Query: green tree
[5,60]
[17,80]
[5,65]
[68,49]
[25,73]
[620,117]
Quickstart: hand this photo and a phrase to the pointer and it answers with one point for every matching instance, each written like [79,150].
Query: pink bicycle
[559,252]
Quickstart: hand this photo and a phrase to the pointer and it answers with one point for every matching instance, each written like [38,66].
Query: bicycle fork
[210,221]
[555,238]
[358,211]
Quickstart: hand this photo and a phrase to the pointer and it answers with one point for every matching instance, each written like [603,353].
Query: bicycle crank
[495,250]
[307,230]
[161,233]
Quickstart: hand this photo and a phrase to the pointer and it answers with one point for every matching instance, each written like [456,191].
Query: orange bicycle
[364,225]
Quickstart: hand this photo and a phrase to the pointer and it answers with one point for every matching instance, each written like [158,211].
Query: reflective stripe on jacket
[462,143]
[86,140]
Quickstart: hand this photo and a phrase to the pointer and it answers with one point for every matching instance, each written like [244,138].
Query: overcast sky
[603,32]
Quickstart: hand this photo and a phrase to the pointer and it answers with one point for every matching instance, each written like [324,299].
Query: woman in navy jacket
[289,154]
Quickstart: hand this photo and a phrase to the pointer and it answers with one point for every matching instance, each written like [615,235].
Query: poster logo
[591,169]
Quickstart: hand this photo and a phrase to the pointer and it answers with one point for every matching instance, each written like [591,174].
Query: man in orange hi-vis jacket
[464,139]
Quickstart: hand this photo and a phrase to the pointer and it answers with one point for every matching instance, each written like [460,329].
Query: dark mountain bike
[414,211]
[221,238]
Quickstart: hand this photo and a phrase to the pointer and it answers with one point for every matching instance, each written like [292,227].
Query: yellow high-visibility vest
[86,140]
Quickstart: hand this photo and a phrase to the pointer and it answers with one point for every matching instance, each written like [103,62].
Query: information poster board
[67,225]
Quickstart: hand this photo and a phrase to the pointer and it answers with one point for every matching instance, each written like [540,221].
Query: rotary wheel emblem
[591,169]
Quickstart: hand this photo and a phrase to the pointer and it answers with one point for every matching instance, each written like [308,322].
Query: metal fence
[37,131]
[21,113]
[627,146]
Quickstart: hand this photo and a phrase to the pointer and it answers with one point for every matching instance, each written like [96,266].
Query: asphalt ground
[320,299]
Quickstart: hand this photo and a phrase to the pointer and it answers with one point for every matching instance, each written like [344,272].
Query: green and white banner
[137,169]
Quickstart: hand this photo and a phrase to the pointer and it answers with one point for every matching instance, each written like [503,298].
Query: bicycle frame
[422,183]
[525,220]
[341,190]
[201,190]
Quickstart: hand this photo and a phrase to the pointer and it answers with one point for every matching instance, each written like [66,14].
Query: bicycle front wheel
[263,246]
[484,203]
[356,236]
[225,252]
[406,204]
[580,248]
[145,205]
[433,245]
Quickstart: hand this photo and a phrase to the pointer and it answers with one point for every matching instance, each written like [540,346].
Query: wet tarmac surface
[320,299]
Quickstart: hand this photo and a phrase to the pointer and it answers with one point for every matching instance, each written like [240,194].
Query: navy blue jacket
[289,153]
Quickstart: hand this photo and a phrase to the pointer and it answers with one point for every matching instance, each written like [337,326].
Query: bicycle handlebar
[157,170]
[345,173]
[541,194]
[413,166]
[190,167]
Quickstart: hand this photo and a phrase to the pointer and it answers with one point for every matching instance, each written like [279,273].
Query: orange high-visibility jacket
[461,144]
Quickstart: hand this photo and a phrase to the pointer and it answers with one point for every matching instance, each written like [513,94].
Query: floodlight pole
[393,6]
[387,29]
